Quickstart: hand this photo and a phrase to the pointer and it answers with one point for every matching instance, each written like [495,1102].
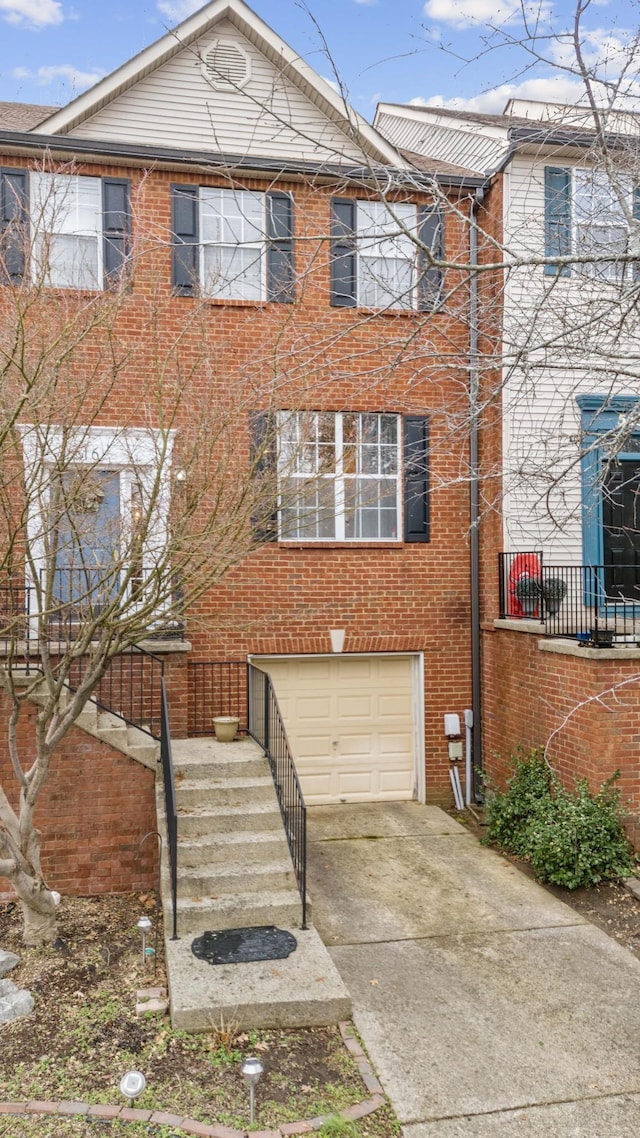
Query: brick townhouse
[258,238]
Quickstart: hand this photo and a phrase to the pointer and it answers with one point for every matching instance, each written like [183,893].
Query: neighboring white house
[571,323]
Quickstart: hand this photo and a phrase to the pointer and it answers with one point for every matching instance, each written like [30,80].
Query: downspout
[474,505]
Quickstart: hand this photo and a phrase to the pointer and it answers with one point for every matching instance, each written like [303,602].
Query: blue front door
[88,542]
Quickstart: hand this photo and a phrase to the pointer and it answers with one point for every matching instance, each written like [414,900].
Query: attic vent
[226,65]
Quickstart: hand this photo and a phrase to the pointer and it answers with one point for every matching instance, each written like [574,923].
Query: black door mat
[240,946]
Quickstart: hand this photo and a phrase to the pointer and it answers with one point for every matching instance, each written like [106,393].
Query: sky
[451,53]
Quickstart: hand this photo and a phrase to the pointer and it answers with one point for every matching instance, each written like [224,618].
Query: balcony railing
[594,604]
[60,613]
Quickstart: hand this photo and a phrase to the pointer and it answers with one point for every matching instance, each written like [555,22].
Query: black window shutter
[264,475]
[280,268]
[416,478]
[13,223]
[116,226]
[343,253]
[184,215]
[557,218]
[431,235]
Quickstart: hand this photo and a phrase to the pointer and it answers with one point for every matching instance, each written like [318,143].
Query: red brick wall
[93,811]
[586,710]
[239,357]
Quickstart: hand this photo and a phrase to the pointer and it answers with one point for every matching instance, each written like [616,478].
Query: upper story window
[382,255]
[587,216]
[233,244]
[77,228]
[344,476]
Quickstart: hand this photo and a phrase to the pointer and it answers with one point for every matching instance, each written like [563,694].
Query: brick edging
[205,1130]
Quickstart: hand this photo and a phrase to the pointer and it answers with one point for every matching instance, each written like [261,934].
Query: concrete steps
[234,867]
[112,729]
[234,870]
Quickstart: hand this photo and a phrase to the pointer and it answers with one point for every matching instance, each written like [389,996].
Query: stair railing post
[266,714]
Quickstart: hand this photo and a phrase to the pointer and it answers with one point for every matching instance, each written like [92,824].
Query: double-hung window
[385,255]
[81,228]
[346,476]
[231,244]
[587,216]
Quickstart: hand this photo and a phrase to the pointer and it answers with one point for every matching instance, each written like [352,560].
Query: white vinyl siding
[176,106]
[66,215]
[542,501]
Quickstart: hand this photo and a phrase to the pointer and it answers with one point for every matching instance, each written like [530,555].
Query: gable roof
[248,23]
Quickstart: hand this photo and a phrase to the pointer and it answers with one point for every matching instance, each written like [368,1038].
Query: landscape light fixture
[132,1085]
[144,924]
[251,1071]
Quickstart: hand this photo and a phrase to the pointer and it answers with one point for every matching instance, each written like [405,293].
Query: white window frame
[599,217]
[235,288]
[66,205]
[383,234]
[134,452]
[289,459]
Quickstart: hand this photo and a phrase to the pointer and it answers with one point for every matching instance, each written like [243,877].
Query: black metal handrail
[169,803]
[594,604]
[267,728]
[217,687]
[131,687]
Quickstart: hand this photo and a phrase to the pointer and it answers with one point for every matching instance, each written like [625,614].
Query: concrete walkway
[489,1008]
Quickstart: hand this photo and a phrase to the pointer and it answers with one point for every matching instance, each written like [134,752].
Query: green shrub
[571,838]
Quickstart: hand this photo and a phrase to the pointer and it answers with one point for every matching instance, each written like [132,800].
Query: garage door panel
[318,707]
[349,721]
[355,707]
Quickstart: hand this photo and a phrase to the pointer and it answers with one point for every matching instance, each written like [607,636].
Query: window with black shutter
[416,478]
[13,224]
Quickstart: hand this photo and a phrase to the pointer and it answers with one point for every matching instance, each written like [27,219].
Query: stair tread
[223,783]
[232,811]
[235,870]
[262,900]
[237,837]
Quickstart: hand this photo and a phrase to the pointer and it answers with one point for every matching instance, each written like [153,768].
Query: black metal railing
[594,604]
[169,803]
[267,728]
[131,687]
[217,687]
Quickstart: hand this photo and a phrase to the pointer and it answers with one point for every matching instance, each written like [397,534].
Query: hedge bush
[571,838]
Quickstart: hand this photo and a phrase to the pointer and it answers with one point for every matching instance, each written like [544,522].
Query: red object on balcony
[523,565]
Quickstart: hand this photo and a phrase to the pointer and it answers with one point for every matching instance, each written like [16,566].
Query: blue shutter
[416,478]
[280,268]
[184,220]
[431,234]
[343,253]
[116,226]
[557,218]
[264,475]
[13,224]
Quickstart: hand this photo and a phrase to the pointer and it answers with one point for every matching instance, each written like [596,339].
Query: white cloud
[32,13]
[64,73]
[178,9]
[495,13]
[553,89]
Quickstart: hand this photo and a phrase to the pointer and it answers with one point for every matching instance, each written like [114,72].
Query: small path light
[251,1071]
[144,924]
[132,1085]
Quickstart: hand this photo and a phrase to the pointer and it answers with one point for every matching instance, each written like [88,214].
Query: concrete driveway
[489,1008]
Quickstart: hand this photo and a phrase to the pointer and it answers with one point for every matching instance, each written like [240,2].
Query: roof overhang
[28,144]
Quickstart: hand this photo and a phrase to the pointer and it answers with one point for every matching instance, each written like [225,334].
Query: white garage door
[350,725]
